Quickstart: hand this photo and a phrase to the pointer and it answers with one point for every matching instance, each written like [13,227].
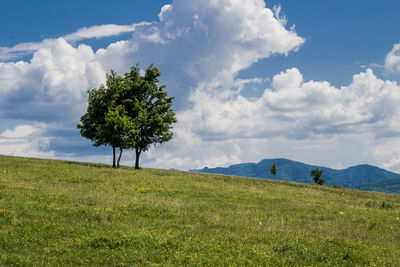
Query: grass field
[66,213]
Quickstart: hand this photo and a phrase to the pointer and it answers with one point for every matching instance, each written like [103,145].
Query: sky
[313,81]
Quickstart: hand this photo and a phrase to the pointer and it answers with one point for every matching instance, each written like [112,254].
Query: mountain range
[363,177]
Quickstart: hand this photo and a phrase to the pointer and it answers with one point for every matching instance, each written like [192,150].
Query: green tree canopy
[129,112]
[100,102]
[151,108]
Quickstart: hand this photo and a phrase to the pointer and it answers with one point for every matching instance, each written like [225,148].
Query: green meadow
[68,213]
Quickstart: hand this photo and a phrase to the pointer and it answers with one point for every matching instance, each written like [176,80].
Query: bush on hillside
[316,173]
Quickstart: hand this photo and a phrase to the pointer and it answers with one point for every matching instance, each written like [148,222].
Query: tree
[273,169]
[102,101]
[119,130]
[148,104]
[316,173]
[129,112]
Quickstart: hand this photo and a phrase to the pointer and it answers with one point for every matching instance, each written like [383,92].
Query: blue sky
[341,36]
[33,21]
[315,81]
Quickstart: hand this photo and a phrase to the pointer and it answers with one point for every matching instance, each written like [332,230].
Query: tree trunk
[113,156]
[137,157]
[119,157]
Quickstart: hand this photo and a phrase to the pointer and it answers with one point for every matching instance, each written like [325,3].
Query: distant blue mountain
[365,177]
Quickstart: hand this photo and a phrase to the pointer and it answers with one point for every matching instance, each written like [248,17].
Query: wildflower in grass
[397,218]
[341,213]
[260,223]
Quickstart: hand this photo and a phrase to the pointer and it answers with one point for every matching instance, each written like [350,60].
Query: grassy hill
[66,213]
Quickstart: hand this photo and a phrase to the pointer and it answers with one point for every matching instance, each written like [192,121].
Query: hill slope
[64,213]
[364,177]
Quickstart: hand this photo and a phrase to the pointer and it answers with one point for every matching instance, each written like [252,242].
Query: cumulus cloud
[52,86]
[297,109]
[206,41]
[392,62]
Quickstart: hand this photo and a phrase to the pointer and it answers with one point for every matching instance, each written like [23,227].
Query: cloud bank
[201,46]
[294,118]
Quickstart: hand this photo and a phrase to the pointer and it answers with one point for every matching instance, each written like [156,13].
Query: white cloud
[164,10]
[52,86]
[25,140]
[102,31]
[298,109]
[205,41]
[392,62]
[19,131]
